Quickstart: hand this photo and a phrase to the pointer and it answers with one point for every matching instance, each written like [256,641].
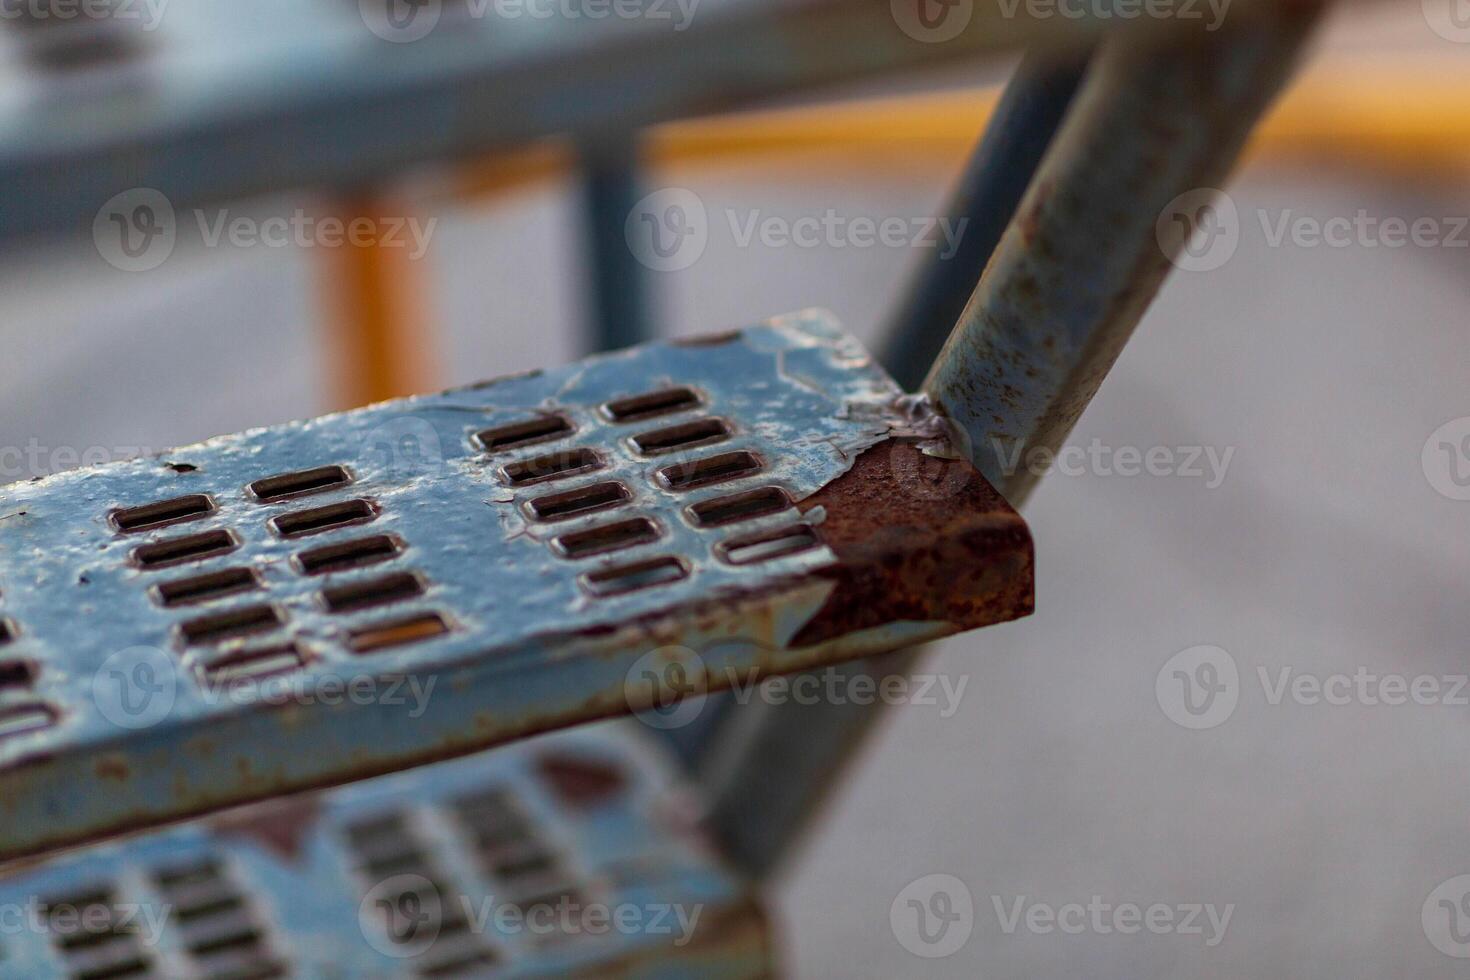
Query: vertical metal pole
[617,283]
[982,203]
[1159,114]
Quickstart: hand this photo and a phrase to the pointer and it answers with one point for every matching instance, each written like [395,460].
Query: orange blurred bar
[379,343]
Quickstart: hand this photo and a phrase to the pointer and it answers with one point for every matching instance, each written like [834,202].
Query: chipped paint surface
[533,643]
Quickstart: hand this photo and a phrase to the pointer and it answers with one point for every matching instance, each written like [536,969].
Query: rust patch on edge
[922,539]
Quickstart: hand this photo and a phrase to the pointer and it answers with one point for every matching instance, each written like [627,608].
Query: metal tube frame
[1160,114]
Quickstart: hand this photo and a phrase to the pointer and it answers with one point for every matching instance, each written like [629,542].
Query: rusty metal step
[319,602]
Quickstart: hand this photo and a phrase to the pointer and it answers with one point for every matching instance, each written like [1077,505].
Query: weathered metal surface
[438,574]
[1083,259]
[1062,293]
[984,199]
[568,856]
[213,101]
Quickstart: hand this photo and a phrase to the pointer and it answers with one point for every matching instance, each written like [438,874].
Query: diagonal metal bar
[984,198]
[1158,116]
[982,203]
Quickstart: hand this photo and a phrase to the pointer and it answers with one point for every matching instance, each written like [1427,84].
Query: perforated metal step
[318,602]
[569,856]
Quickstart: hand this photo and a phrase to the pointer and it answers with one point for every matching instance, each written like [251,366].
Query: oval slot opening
[131,520]
[553,466]
[665,402]
[701,432]
[348,555]
[608,537]
[736,507]
[299,484]
[583,500]
[711,469]
[235,622]
[203,588]
[524,433]
[632,577]
[765,547]
[374,592]
[195,547]
[318,519]
[397,632]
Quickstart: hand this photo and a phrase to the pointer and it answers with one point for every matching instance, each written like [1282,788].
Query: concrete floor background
[1059,777]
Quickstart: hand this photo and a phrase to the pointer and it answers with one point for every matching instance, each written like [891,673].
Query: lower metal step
[572,855]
